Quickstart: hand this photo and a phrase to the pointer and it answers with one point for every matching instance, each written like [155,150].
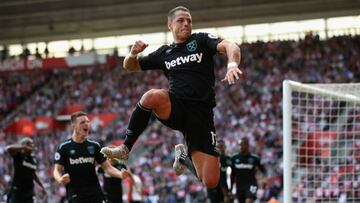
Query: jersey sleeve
[210,41]
[99,157]
[153,60]
[59,156]
[122,166]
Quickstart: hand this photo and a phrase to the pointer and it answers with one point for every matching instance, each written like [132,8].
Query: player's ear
[73,125]
[169,24]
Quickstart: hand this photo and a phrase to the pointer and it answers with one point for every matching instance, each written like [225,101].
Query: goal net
[321,128]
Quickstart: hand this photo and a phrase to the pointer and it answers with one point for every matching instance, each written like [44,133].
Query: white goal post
[321,142]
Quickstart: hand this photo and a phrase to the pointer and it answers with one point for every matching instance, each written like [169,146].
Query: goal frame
[288,87]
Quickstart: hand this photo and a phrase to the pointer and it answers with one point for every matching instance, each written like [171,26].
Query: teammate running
[75,164]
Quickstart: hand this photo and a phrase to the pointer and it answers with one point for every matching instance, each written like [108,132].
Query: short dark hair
[26,140]
[178,8]
[77,114]
[243,139]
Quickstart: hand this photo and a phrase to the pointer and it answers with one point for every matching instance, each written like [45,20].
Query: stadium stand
[101,88]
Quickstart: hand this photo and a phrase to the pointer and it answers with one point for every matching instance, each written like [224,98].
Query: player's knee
[152,98]
[149,98]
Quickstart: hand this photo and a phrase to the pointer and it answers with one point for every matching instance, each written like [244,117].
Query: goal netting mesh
[321,142]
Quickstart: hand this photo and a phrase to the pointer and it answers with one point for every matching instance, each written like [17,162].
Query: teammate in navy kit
[113,186]
[221,193]
[244,168]
[25,165]
[75,164]
[188,104]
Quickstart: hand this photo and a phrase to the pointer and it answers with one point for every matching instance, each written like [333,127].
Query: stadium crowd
[250,108]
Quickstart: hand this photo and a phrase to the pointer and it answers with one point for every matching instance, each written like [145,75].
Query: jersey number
[213,137]
[253,189]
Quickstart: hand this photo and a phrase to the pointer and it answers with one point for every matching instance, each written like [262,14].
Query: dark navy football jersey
[79,160]
[25,166]
[112,186]
[188,66]
[244,169]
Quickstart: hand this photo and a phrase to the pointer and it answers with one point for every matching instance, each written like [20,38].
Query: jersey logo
[244,166]
[184,59]
[72,152]
[81,160]
[57,156]
[29,165]
[91,149]
[191,46]
[212,36]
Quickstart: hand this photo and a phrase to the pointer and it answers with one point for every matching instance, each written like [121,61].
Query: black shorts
[92,196]
[114,198]
[16,196]
[196,122]
[248,192]
[95,199]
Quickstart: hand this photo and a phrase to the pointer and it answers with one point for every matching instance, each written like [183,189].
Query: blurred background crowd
[252,108]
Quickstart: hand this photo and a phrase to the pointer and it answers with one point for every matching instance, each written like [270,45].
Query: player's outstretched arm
[38,181]
[233,54]
[131,61]
[15,148]
[113,172]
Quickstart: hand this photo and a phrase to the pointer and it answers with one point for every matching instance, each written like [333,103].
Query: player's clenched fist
[138,47]
[65,179]
[125,173]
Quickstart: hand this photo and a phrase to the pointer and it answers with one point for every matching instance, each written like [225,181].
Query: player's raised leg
[156,100]
[203,165]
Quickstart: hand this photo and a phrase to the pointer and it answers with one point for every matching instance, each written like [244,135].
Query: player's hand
[232,75]
[65,179]
[138,47]
[125,173]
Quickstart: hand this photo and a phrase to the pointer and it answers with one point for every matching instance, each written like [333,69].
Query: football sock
[138,122]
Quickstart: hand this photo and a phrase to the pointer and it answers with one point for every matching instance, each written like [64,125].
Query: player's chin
[185,34]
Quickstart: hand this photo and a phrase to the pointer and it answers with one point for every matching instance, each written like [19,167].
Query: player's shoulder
[203,35]
[255,156]
[162,49]
[65,143]
[235,155]
[93,142]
